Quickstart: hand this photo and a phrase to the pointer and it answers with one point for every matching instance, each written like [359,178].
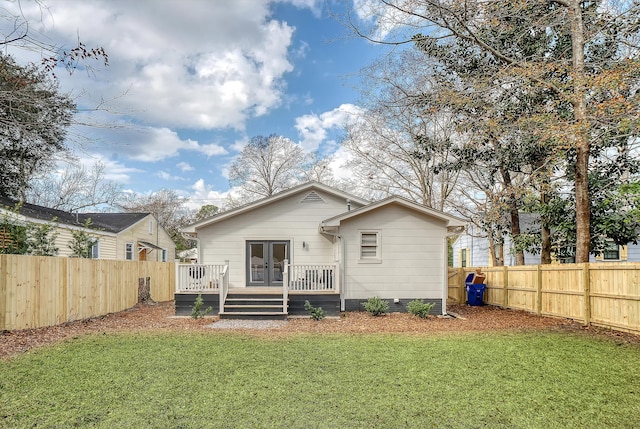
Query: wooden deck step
[257,315]
[251,306]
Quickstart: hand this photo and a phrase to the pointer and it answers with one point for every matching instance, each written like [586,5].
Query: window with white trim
[128,251]
[95,250]
[164,255]
[611,252]
[150,227]
[370,246]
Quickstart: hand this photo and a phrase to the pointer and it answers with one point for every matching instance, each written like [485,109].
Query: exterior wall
[412,250]
[287,219]
[478,251]
[140,231]
[478,248]
[633,252]
[107,246]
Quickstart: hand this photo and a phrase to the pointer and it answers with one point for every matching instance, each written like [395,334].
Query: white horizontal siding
[412,259]
[287,219]
[107,243]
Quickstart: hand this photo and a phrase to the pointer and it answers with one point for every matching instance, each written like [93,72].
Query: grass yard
[222,380]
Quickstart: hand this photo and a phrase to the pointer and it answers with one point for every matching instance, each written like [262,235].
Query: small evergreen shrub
[317,313]
[376,306]
[197,311]
[419,308]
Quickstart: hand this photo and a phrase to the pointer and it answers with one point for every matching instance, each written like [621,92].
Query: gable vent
[312,197]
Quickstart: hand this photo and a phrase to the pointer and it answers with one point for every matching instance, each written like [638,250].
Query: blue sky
[191,81]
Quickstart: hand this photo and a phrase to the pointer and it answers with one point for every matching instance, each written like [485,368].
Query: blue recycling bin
[474,293]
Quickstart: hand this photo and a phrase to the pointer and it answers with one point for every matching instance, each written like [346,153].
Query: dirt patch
[159,317]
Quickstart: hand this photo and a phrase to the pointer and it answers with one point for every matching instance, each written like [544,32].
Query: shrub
[419,308]
[197,311]
[317,313]
[376,306]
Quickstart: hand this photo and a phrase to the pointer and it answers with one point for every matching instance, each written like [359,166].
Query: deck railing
[224,285]
[311,277]
[198,277]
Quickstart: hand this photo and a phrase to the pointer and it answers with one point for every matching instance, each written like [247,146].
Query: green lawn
[537,380]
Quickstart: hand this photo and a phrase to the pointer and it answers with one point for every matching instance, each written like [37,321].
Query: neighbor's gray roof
[109,222]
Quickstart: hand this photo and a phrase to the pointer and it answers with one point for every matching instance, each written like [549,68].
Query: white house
[318,243]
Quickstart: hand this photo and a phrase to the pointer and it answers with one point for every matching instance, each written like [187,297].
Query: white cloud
[184,166]
[205,194]
[167,176]
[148,144]
[114,170]
[313,128]
[197,64]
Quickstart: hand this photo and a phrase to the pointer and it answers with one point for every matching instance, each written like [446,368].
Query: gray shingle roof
[109,222]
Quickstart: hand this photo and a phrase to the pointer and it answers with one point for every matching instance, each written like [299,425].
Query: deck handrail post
[223,286]
[285,286]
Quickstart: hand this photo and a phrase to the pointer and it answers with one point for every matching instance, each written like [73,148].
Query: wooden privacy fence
[602,294]
[37,291]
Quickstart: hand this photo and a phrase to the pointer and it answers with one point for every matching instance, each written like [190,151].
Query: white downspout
[340,265]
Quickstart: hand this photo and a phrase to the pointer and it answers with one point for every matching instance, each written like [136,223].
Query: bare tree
[167,206]
[265,166]
[400,142]
[76,188]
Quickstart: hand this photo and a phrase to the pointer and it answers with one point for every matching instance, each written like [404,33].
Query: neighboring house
[127,236]
[471,249]
[341,249]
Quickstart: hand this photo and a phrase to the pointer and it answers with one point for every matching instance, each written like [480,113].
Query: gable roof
[309,186]
[451,221]
[109,222]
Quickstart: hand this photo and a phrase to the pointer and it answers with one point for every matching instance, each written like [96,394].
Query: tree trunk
[514,214]
[581,140]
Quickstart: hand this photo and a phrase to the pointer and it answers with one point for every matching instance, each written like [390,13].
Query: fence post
[4,292]
[461,285]
[539,290]
[586,284]
[505,280]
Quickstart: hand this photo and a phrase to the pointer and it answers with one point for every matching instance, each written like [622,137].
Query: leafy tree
[205,212]
[82,242]
[34,117]
[587,61]
[265,166]
[41,239]
[13,234]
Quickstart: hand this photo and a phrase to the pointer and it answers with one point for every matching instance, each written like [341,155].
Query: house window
[463,258]
[370,246]
[164,255]
[95,250]
[611,252]
[150,227]
[128,251]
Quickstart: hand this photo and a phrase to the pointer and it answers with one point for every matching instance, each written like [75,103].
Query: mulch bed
[159,318]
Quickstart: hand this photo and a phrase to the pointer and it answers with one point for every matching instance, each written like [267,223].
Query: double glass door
[265,262]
